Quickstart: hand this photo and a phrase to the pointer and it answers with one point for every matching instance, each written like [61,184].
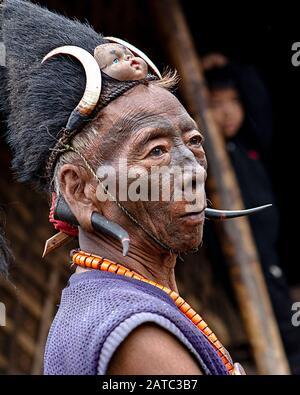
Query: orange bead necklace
[91,261]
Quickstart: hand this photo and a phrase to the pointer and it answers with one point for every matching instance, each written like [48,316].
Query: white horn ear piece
[137,52]
[93,86]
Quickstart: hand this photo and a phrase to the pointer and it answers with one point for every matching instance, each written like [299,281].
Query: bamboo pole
[236,241]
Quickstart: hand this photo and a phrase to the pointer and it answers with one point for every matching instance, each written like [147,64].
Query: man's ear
[78,191]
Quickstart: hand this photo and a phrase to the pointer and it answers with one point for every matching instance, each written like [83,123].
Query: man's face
[149,129]
[227,111]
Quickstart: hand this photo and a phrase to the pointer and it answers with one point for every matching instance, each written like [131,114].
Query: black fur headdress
[41,97]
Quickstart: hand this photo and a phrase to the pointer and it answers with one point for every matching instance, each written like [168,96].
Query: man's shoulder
[99,303]
[108,285]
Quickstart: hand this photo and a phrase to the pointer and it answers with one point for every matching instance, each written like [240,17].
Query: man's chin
[183,236]
[187,243]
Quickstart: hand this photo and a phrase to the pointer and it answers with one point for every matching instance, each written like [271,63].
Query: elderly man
[120,312]
[160,132]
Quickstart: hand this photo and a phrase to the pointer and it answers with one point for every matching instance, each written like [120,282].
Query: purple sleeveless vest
[99,309]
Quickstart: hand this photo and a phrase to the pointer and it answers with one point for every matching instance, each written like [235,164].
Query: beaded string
[87,260]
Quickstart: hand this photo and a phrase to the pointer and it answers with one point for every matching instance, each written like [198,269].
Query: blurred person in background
[241,108]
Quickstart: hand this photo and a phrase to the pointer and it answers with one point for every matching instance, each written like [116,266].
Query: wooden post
[236,241]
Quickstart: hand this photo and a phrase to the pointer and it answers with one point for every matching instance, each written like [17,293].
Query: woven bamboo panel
[33,292]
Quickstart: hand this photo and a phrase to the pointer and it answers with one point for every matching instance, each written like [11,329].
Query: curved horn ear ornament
[93,86]
[99,223]
[227,214]
[137,52]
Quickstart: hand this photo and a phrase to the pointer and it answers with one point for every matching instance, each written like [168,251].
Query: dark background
[264,37]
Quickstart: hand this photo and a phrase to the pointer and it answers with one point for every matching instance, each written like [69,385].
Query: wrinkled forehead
[148,106]
[144,108]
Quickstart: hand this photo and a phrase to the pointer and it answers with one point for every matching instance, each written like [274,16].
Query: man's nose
[190,184]
[193,172]
[185,157]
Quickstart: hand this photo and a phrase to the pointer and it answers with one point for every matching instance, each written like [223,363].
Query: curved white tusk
[227,214]
[93,86]
[137,52]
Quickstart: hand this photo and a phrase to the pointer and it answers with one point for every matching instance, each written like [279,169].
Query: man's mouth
[195,216]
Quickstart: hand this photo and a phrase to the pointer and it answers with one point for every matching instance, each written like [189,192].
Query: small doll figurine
[120,63]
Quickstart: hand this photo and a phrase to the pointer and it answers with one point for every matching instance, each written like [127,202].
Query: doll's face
[120,63]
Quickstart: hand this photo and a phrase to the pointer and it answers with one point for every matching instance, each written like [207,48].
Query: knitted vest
[98,310]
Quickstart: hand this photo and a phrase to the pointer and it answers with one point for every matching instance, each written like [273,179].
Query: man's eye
[157,151]
[195,140]
[116,60]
